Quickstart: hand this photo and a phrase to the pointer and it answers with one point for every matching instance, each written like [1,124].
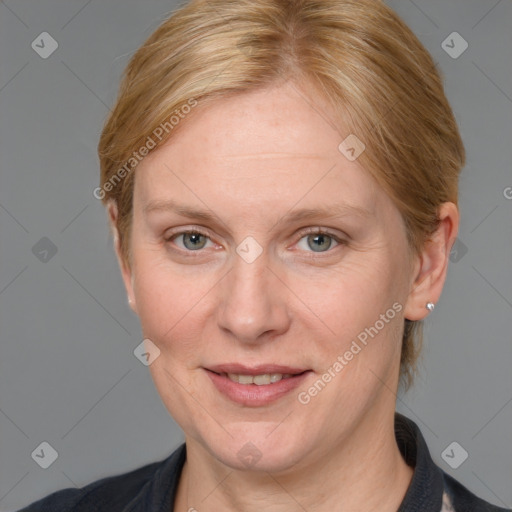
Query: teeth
[259,380]
[245,379]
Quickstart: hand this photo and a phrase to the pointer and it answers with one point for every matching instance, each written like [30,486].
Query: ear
[431,265]
[126,271]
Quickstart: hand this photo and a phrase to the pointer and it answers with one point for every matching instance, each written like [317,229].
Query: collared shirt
[152,488]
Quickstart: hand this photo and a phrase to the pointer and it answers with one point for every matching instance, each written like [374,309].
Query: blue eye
[313,241]
[319,241]
[192,240]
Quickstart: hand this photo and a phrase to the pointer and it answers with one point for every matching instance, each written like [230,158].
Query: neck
[365,471]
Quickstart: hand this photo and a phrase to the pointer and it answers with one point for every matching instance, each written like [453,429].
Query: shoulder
[123,488]
[113,493]
[464,500]
[432,489]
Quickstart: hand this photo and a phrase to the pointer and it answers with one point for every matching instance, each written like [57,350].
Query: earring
[430,306]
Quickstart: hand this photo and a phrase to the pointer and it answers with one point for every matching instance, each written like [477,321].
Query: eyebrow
[330,211]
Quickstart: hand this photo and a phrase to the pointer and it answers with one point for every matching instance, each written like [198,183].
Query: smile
[255,387]
[260,380]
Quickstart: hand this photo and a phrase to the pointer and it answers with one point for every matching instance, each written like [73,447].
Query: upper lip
[260,369]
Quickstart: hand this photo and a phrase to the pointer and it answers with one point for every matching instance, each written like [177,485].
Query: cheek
[359,303]
[168,305]
[353,293]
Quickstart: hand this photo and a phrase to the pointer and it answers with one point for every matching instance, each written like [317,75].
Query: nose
[253,305]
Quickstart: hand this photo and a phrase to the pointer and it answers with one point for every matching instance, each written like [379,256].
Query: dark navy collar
[425,492]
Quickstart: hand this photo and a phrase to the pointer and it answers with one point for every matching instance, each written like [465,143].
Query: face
[260,251]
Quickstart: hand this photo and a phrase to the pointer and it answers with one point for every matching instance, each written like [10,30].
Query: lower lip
[252,395]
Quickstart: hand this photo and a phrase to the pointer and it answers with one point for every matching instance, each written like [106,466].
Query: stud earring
[430,306]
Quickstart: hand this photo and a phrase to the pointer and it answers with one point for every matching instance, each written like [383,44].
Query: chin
[253,448]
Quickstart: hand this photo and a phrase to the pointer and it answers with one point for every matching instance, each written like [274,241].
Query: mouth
[260,380]
[255,386]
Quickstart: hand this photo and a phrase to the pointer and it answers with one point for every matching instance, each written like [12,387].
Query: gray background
[68,374]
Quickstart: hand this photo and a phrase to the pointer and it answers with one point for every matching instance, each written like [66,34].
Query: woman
[281,181]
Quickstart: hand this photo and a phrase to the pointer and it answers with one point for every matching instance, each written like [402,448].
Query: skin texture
[250,160]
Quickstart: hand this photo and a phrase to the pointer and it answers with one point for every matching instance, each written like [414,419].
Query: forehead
[278,141]
[273,121]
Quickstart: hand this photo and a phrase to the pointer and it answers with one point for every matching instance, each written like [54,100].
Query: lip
[252,395]
[255,370]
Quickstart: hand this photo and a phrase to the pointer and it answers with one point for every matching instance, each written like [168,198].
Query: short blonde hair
[381,81]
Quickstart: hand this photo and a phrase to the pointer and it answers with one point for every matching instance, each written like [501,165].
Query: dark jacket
[152,488]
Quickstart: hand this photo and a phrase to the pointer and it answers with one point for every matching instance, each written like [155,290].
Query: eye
[319,241]
[314,240]
[190,240]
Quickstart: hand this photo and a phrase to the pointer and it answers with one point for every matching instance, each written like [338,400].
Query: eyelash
[304,233]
